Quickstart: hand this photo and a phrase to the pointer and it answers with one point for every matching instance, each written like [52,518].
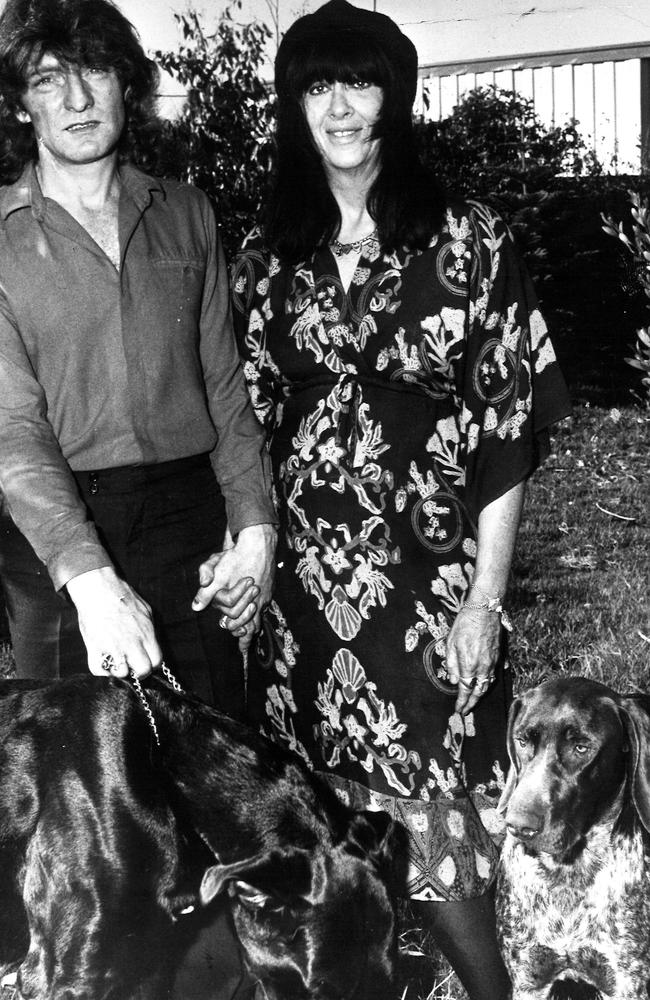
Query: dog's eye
[521,740]
[580,748]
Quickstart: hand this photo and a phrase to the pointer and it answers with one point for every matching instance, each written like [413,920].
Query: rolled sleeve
[240,458]
[39,489]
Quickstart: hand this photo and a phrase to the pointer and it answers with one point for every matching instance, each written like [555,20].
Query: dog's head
[319,924]
[577,751]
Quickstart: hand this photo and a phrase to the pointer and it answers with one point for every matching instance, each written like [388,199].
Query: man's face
[77,112]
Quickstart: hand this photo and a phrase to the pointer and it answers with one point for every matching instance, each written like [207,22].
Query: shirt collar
[26,191]
[19,194]
[138,185]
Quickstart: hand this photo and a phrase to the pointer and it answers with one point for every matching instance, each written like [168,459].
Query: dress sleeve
[240,459]
[251,290]
[39,489]
[511,386]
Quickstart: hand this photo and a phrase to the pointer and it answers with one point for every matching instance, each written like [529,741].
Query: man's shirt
[100,368]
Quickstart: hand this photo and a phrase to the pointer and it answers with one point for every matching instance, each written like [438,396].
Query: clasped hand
[238,581]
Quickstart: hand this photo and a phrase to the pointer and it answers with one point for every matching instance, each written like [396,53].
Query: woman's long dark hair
[405,201]
[81,32]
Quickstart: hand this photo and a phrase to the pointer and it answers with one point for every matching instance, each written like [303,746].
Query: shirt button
[93,484]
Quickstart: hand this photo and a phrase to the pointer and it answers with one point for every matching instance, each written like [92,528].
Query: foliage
[221,141]
[588,291]
[639,247]
[494,146]
[494,143]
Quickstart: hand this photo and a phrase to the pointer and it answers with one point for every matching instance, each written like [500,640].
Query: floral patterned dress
[395,412]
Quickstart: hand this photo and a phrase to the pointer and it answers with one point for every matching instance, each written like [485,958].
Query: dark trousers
[158,523]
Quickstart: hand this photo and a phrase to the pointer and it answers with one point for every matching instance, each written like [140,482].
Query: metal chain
[145,704]
[169,677]
[245,663]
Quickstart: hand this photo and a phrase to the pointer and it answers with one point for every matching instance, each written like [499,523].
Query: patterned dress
[395,412]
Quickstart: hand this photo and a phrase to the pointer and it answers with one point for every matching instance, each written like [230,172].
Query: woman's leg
[465,932]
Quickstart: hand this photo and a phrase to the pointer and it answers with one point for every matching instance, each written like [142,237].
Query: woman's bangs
[344,56]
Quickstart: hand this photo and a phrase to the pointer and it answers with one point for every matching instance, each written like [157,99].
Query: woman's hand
[473,647]
[238,581]
[115,624]
[474,641]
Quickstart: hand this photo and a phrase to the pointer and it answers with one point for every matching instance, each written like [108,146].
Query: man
[127,440]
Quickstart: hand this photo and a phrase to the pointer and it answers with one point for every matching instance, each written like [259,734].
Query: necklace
[340,249]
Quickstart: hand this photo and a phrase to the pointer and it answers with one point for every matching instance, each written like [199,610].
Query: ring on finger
[108,662]
[110,665]
[483,684]
[467,683]
[223,621]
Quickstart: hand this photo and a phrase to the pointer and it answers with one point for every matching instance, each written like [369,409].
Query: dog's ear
[253,880]
[511,780]
[636,722]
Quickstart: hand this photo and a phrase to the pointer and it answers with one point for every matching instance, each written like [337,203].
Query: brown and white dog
[105,840]
[573,894]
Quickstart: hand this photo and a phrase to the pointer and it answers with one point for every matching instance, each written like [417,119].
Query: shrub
[639,247]
[495,144]
[221,142]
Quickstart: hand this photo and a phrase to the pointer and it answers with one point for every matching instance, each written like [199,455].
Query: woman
[394,352]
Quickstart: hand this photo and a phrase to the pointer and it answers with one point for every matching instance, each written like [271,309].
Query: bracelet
[492,604]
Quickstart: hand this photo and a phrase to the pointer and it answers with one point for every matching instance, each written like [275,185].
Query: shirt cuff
[248,512]
[82,559]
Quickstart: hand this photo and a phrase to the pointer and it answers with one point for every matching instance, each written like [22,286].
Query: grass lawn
[580,593]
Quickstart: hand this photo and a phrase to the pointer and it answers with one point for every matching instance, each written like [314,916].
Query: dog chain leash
[139,690]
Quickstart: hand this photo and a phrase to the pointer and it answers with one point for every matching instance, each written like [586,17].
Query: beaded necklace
[340,249]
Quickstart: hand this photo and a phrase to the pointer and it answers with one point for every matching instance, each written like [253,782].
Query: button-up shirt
[102,368]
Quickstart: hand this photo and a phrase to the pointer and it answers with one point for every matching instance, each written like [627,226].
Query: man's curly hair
[79,32]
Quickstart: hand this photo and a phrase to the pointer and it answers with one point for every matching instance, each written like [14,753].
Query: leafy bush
[494,144]
[639,247]
[221,142]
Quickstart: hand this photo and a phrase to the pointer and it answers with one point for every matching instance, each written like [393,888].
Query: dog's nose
[522,832]
[525,827]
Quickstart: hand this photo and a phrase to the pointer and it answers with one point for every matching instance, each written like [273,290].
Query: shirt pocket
[179,285]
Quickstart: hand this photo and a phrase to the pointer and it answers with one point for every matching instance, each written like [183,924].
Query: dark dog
[105,840]
[573,898]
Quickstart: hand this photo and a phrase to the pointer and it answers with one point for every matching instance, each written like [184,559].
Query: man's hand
[115,623]
[238,581]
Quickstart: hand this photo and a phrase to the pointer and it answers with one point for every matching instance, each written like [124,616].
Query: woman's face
[341,119]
